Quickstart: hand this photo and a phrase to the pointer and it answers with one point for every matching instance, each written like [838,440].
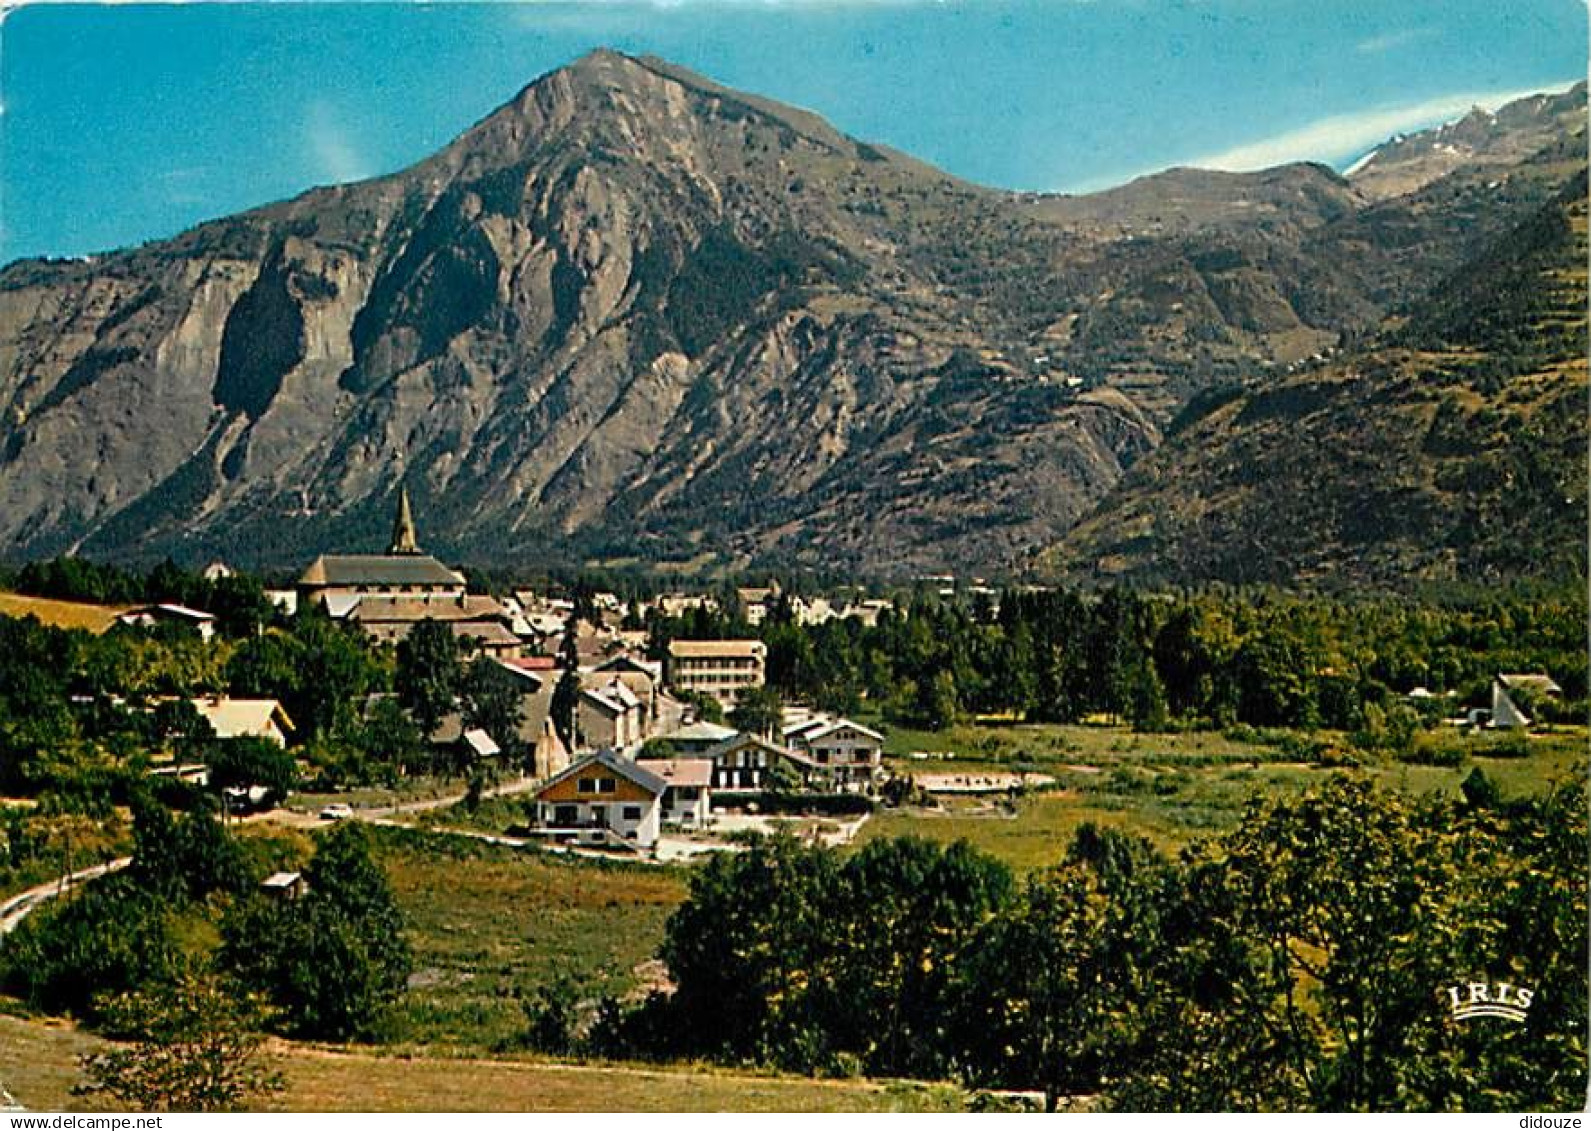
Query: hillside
[1452,449]
[61,614]
[635,315]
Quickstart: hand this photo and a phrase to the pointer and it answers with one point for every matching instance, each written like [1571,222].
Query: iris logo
[1489,999]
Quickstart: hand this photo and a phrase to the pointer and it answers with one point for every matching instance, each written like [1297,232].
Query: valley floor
[489,923]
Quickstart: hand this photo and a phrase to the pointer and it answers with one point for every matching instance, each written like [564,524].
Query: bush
[1514,744]
[109,938]
[552,1017]
[1443,750]
[197,1047]
[819,804]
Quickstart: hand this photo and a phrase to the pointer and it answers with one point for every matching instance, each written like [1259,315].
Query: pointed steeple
[403,537]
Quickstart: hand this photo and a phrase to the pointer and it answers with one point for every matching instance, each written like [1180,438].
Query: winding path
[20,906]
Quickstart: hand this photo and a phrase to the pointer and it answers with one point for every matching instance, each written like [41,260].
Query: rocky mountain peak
[1479,138]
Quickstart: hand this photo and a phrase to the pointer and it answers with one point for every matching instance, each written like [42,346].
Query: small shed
[284,885]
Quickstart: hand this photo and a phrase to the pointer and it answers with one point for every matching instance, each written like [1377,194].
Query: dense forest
[1162,660]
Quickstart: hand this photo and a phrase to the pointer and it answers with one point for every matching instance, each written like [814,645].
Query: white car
[338,812]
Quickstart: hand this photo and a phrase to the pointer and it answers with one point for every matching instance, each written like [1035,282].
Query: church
[340,581]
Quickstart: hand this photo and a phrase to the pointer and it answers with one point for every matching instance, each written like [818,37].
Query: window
[632,812]
[606,785]
[588,785]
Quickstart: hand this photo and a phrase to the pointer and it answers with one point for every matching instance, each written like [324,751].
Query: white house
[1506,715]
[742,762]
[699,737]
[610,714]
[148,616]
[1536,683]
[848,754]
[688,796]
[600,796]
[720,668]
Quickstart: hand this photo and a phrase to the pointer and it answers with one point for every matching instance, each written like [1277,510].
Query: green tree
[1273,673]
[179,727]
[112,935]
[333,961]
[1037,996]
[390,742]
[742,949]
[758,711]
[565,705]
[196,1046]
[939,702]
[253,761]
[494,703]
[707,708]
[904,911]
[430,674]
[1146,698]
[320,672]
[183,857]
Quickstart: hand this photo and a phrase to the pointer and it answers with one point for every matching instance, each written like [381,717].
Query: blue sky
[124,122]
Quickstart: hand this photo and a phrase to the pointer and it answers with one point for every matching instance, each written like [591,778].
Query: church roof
[379,569]
[374,608]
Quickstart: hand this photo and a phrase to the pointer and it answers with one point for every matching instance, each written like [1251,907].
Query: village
[659,758]
[644,750]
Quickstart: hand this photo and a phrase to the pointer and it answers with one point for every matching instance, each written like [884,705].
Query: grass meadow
[1176,788]
[39,1066]
[489,924]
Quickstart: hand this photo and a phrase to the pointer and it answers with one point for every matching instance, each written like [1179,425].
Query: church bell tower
[403,537]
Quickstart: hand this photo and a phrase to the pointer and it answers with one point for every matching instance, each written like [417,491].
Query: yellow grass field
[61,614]
[38,1065]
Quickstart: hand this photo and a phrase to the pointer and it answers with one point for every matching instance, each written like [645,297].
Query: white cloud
[337,159]
[1378,44]
[1347,135]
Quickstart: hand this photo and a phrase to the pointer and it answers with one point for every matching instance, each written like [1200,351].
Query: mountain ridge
[632,314]
[1450,449]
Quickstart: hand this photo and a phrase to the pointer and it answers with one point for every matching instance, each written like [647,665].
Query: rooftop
[712,649]
[701,732]
[379,569]
[487,632]
[1532,681]
[608,759]
[180,611]
[473,606]
[238,718]
[481,742]
[682,771]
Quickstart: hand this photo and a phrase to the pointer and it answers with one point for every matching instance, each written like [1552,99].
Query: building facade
[720,668]
[845,754]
